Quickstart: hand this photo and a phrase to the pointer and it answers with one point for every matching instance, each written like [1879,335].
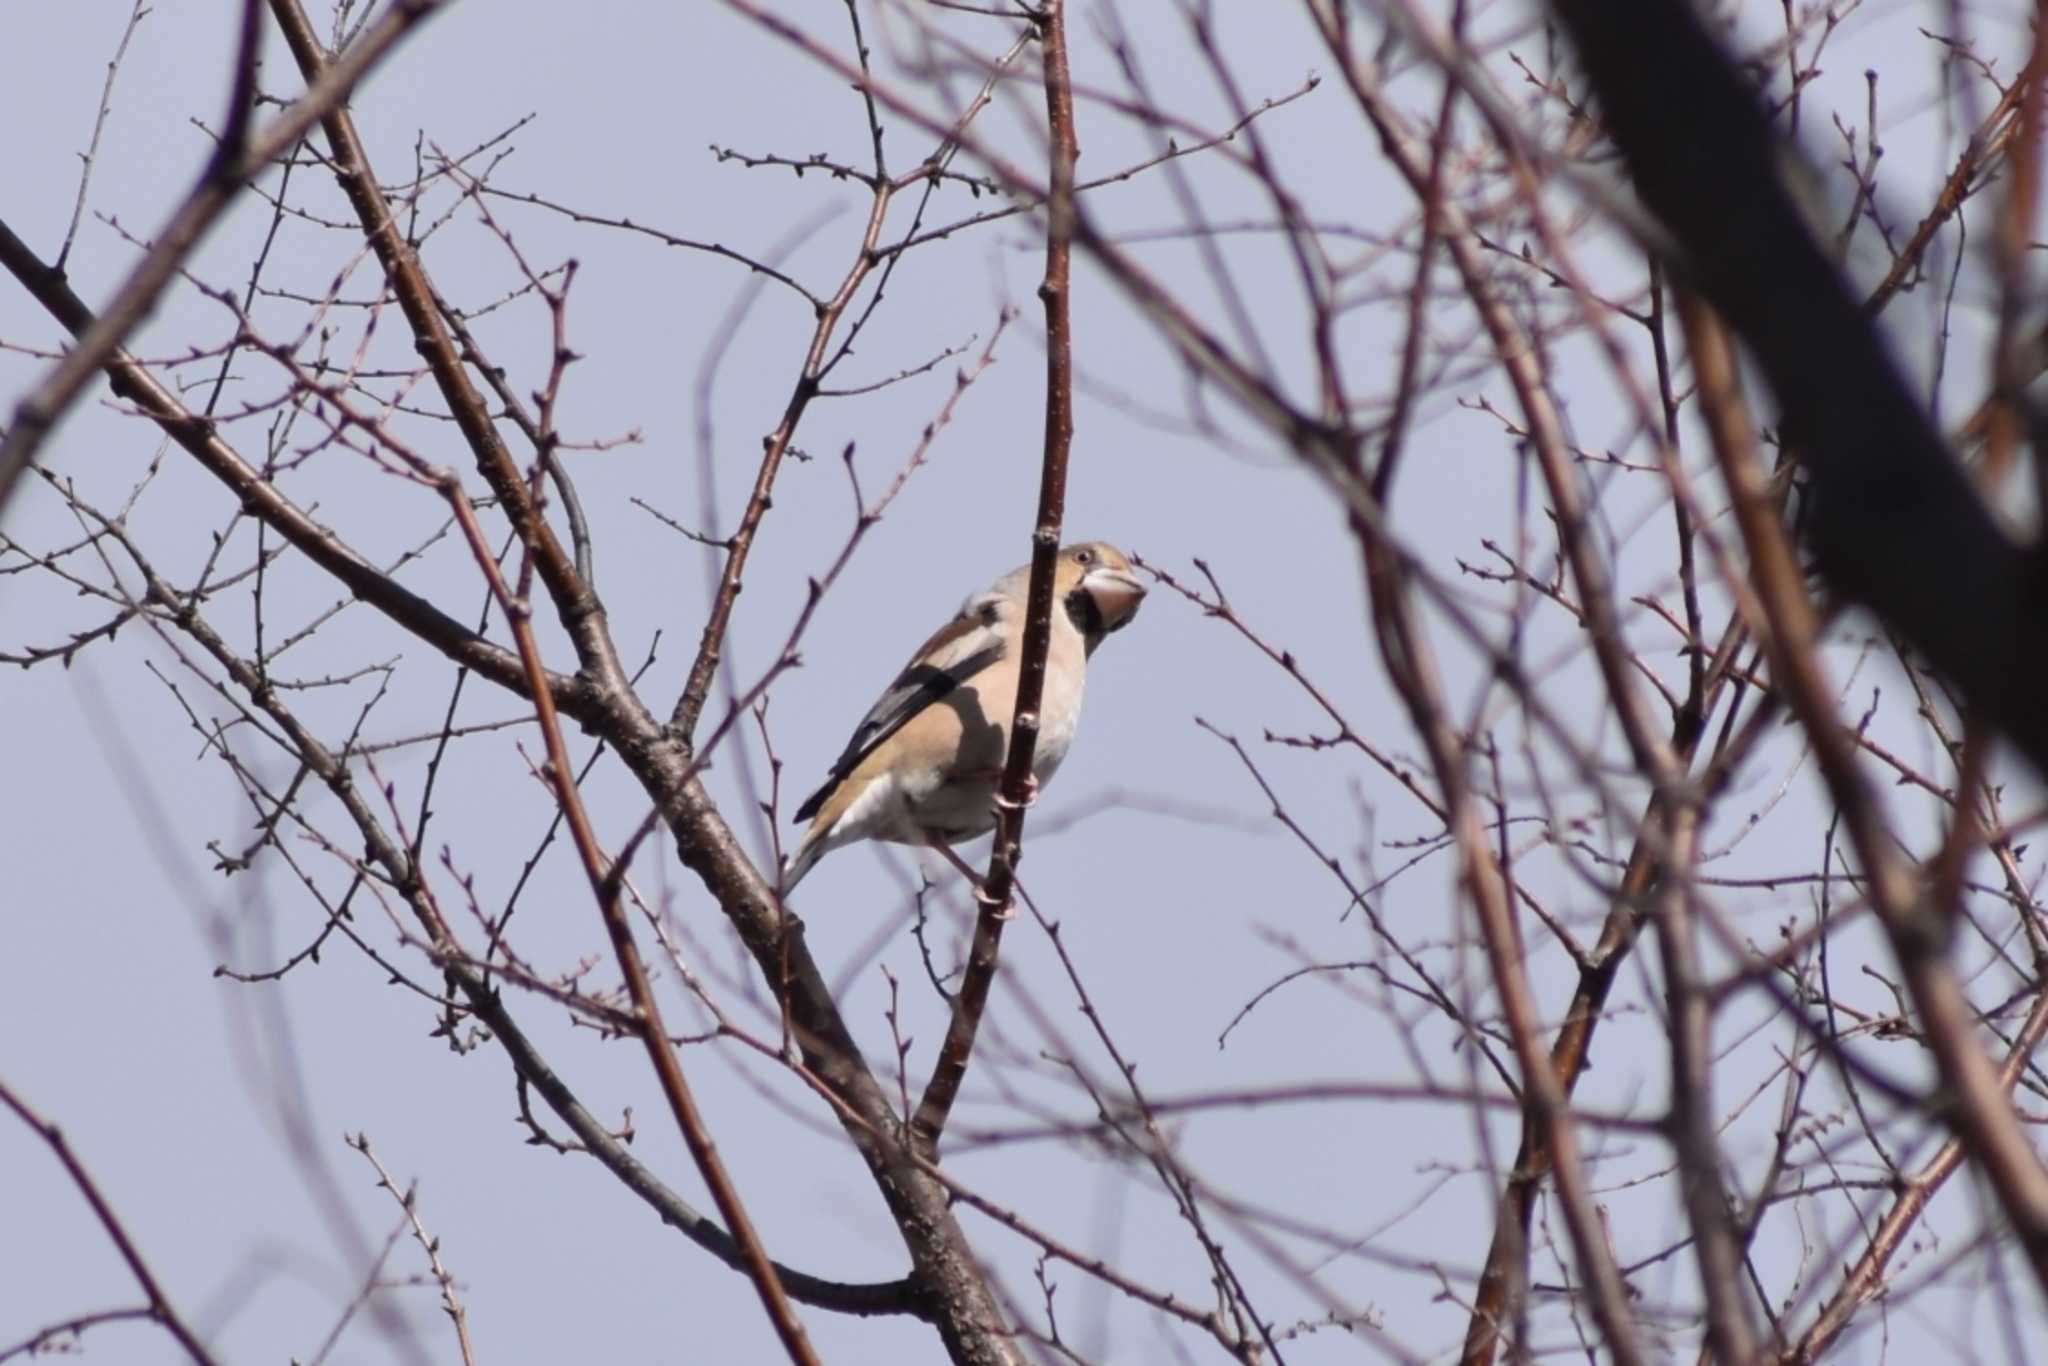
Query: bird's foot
[1029,798]
[1001,910]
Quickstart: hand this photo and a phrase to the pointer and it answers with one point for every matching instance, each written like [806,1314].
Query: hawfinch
[924,763]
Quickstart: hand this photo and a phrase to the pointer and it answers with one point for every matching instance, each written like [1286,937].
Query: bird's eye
[1084,557]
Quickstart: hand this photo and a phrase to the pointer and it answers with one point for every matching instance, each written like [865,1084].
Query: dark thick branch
[1895,524]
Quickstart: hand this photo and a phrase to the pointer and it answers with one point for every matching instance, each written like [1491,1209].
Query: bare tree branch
[160,1308]
[993,895]
[237,159]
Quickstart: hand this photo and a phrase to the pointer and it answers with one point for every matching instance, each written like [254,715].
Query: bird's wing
[959,650]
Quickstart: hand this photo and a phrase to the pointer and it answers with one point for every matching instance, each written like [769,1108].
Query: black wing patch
[916,688]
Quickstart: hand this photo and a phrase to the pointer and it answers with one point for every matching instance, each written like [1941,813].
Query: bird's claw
[1029,798]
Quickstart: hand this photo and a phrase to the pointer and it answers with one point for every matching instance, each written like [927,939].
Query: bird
[923,765]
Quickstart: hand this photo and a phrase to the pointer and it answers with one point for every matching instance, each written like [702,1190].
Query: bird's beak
[1116,595]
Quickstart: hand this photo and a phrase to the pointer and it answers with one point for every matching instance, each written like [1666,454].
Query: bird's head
[1098,588]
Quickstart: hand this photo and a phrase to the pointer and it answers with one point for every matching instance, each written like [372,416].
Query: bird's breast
[1059,711]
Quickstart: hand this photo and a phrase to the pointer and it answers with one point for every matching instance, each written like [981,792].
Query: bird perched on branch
[924,763]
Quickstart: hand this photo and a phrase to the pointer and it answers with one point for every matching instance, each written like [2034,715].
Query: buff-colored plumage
[923,764]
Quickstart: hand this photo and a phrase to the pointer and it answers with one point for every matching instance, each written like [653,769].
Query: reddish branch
[2015,243]
[605,885]
[997,889]
[1731,1334]
[160,1308]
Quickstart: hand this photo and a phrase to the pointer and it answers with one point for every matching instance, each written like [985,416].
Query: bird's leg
[1002,804]
[967,871]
